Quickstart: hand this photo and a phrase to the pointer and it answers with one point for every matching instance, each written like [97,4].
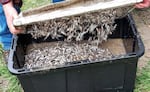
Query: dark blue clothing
[54,1]
[5,35]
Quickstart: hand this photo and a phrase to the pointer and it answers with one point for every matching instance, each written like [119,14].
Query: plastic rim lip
[24,71]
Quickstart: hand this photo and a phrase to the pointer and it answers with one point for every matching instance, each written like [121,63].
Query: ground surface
[142,20]
[3,84]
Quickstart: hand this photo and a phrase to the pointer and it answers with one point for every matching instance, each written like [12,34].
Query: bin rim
[141,50]
[25,71]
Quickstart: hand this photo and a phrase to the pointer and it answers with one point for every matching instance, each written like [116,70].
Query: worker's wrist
[7,5]
[5,1]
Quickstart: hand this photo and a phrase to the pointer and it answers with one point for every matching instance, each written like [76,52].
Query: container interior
[121,42]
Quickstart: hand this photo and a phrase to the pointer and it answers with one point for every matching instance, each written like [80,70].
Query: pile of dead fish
[97,26]
[64,54]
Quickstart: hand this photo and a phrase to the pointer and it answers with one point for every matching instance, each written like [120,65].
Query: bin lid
[68,8]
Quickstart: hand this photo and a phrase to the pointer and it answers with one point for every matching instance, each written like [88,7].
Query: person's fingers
[142,5]
[19,28]
[11,14]
[14,30]
[12,27]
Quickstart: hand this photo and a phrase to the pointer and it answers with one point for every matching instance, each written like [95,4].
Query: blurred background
[9,83]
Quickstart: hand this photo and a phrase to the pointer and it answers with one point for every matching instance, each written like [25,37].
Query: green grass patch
[143,79]
[13,83]
[30,4]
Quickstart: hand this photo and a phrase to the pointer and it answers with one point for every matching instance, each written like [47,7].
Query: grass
[13,83]
[29,4]
[143,75]
[143,79]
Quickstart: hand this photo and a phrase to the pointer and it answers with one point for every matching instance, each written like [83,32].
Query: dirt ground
[3,84]
[142,21]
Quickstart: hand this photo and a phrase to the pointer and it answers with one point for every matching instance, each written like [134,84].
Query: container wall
[107,77]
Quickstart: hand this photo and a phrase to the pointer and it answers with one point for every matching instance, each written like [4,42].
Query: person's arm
[144,4]
[10,13]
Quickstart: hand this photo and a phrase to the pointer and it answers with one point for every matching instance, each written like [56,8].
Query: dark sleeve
[15,2]
[4,1]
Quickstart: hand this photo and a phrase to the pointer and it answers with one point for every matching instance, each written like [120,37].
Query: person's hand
[11,13]
[144,4]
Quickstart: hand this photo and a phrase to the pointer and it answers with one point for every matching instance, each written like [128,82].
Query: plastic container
[115,75]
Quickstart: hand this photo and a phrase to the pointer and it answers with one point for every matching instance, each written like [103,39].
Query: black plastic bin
[115,75]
